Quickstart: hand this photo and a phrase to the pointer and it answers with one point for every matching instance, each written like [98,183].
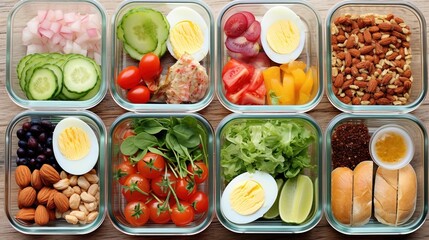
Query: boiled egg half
[248,197]
[282,34]
[75,146]
[188,33]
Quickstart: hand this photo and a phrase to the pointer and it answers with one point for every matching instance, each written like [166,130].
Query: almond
[392,56]
[383,101]
[386,79]
[51,203]
[361,84]
[385,26]
[87,198]
[376,35]
[26,197]
[345,99]
[36,181]
[356,101]
[378,95]
[348,60]
[43,195]
[341,55]
[49,174]
[61,202]
[372,85]
[350,42]
[339,80]
[91,177]
[367,36]
[83,183]
[385,41]
[62,184]
[25,214]
[23,176]
[373,29]
[347,84]
[92,216]
[71,219]
[354,52]
[406,73]
[366,97]
[366,49]
[74,201]
[398,20]
[41,215]
[51,213]
[341,38]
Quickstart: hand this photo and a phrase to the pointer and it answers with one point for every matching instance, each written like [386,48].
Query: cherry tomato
[136,188]
[129,77]
[136,213]
[235,25]
[182,213]
[199,171]
[151,165]
[185,187]
[199,201]
[128,133]
[123,170]
[139,94]
[159,212]
[160,186]
[149,67]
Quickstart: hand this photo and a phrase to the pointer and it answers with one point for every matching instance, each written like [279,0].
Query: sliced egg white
[79,166]
[273,15]
[265,180]
[180,14]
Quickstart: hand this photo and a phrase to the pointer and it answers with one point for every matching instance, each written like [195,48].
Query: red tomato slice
[229,65]
[235,77]
[249,16]
[253,32]
[261,90]
[236,97]
[256,80]
[235,25]
[249,98]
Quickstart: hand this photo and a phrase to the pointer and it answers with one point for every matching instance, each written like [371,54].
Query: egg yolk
[186,37]
[283,37]
[247,197]
[391,147]
[74,143]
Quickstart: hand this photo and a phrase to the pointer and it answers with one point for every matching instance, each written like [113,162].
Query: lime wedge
[296,199]
[273,212]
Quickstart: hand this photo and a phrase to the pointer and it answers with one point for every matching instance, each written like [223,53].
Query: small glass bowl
[17,20]
[121,59]
[59,226]
[380,133]
[312,53]
[115,200]
[414,18]
[414,127]
[275,225]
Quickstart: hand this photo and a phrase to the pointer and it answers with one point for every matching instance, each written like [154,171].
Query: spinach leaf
[186,136]
[144,140]
[152,126]
[128,147]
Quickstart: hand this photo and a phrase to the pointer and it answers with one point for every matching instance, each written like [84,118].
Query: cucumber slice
[22,63]
[42,84]
[80,75]
[67,95]
[59,74]
[144,29]
[132,52]
[92,92]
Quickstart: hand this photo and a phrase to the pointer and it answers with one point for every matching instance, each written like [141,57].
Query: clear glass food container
[122,59]
[274,225]
[413,17]
[417,130]
[115,199]
[312,53]
[58,226]
[22,13]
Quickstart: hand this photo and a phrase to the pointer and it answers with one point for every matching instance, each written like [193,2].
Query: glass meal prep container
[273,224]
[311,55]
[381,62]
[57,226]
[189,10]
[56,35]
[116,202]
[416,129]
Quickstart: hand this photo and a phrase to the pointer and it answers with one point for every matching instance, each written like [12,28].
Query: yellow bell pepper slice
[299,76]
[268,74]
[305,91]
[289,89]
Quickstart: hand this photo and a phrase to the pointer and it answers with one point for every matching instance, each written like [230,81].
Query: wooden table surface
[108,110]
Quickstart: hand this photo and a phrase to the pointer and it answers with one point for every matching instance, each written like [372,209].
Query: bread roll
[362,193]
[341,194]
[407,194]
[385,192]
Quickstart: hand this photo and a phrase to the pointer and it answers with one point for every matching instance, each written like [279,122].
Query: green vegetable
[278,147]
[179,140]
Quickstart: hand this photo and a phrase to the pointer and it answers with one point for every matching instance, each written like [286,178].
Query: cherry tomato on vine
[199,171]
[151,165]
[159,213]
[185,187]
[129,77]
[136,188]
[182,213]
[139,94]
[199,201]
[123,170]
[160,186]
[149,67]
[136,213]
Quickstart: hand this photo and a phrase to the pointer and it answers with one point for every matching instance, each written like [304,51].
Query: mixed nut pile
[371,59]
[46,195]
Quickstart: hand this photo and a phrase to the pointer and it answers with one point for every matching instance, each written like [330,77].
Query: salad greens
[178,140]
[278,147]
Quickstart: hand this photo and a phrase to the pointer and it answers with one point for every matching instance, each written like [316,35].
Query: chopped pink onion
[69,17]
[41,15]
[75,26]
[33,25]
[92,32]
[50,16]
[35,48]
[59,15]
[46,32]
[55,27]
[46,24]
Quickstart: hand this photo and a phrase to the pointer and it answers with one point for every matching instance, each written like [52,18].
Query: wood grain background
[108,110]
